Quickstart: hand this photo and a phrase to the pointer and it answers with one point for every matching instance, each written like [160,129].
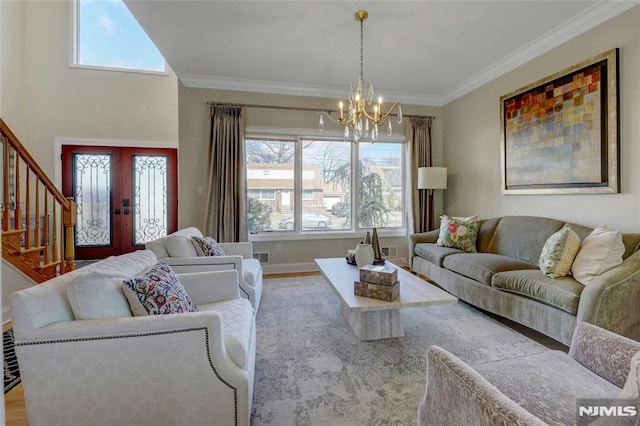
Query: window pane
[326,185]
[380,192]
[109,36]
[270,185]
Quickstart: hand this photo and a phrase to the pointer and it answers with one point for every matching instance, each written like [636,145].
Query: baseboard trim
[290,268]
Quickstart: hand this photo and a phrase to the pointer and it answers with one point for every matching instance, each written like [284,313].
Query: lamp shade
[432,178]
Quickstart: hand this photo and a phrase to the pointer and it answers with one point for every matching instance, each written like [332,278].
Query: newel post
[69,243]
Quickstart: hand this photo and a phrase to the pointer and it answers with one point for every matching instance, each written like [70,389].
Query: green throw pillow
[558,253]
[459,232]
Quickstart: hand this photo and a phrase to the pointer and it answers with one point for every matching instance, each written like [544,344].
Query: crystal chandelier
[358,122]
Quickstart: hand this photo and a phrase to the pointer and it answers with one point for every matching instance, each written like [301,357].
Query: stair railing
[37,220]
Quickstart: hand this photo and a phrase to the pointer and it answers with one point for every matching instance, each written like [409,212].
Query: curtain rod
[328,111]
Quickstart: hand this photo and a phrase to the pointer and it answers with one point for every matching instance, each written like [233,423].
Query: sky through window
[109,36]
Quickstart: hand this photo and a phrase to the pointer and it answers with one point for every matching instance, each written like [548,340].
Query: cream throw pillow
[558,253]
[98,294]
[600,251]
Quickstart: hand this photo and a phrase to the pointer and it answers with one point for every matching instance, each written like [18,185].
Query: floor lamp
[431,178]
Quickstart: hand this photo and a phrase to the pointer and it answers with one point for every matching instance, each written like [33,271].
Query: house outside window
[108,37]
[316,189]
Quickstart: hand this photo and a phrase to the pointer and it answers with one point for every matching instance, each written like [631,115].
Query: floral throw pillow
[459,232]
[558,253]
[157,292]
[207,246]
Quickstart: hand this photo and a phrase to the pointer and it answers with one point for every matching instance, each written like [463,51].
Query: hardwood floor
[16,413]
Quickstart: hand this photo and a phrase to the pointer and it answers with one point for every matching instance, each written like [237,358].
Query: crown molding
[273,87]
[601,12]
[590,18]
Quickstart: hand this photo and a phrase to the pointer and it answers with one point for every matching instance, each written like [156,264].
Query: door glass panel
[92,183]
[150,187]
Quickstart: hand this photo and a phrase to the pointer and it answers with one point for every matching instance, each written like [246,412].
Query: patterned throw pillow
[157,292]
[558,253]
[459,232]
[207,246]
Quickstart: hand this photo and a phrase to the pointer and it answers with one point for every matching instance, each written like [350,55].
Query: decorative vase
[364,255]
[377,252]
[367,238]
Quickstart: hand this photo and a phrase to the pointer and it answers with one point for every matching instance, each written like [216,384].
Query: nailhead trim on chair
[155,333]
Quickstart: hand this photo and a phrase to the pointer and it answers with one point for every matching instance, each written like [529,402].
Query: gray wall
[472,137]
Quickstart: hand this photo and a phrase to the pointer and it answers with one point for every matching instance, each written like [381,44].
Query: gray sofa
[539,389]
[504,278]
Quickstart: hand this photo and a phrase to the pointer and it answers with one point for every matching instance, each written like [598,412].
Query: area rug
[11,372]
[312,370]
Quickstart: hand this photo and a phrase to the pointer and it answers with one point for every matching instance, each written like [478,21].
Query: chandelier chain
[362,50]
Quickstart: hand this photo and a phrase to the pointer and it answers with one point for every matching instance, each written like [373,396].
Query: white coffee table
[373,319]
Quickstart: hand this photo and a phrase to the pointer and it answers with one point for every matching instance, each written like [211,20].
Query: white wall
[194,136]
[12,41]
[472,137]
[42,98]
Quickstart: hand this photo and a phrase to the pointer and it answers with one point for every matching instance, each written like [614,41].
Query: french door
[125,197]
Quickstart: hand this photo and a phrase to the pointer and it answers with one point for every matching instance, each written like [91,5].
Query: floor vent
[390,251]
[262,256]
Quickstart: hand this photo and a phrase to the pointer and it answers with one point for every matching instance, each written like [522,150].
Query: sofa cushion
[434,253]
[562,293]
[482,266]
[180,246]
[522,237]
[600,251]
[558,253]
[157,292]
[237,320]
[95,291]
[252,270]
[98,294]
[546,384]
[631,389]
[207,246]
[459,232]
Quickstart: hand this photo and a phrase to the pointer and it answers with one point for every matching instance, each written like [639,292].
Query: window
[108,36]
[270,185]
[312,183]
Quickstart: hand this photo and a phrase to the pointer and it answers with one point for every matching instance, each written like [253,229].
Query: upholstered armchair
[174,369]
[537,389]
[177,250]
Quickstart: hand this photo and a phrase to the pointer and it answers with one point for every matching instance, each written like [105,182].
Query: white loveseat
[177,369]
[178,251]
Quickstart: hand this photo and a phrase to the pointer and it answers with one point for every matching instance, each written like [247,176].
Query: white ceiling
[420,52]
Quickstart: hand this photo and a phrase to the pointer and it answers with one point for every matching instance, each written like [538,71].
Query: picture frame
[560,135]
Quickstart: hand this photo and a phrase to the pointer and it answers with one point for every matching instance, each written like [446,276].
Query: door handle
[116,211]
[126,211]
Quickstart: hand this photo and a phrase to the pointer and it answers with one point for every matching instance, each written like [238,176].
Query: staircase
[37,220]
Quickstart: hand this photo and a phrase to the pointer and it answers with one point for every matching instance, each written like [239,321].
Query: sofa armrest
[611,300]
[422,237]
[244,249]
[110,362]
[605,353]
[211,287]
[458,395]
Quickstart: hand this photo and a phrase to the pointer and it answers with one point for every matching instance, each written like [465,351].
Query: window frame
[75,46]
[299,135]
